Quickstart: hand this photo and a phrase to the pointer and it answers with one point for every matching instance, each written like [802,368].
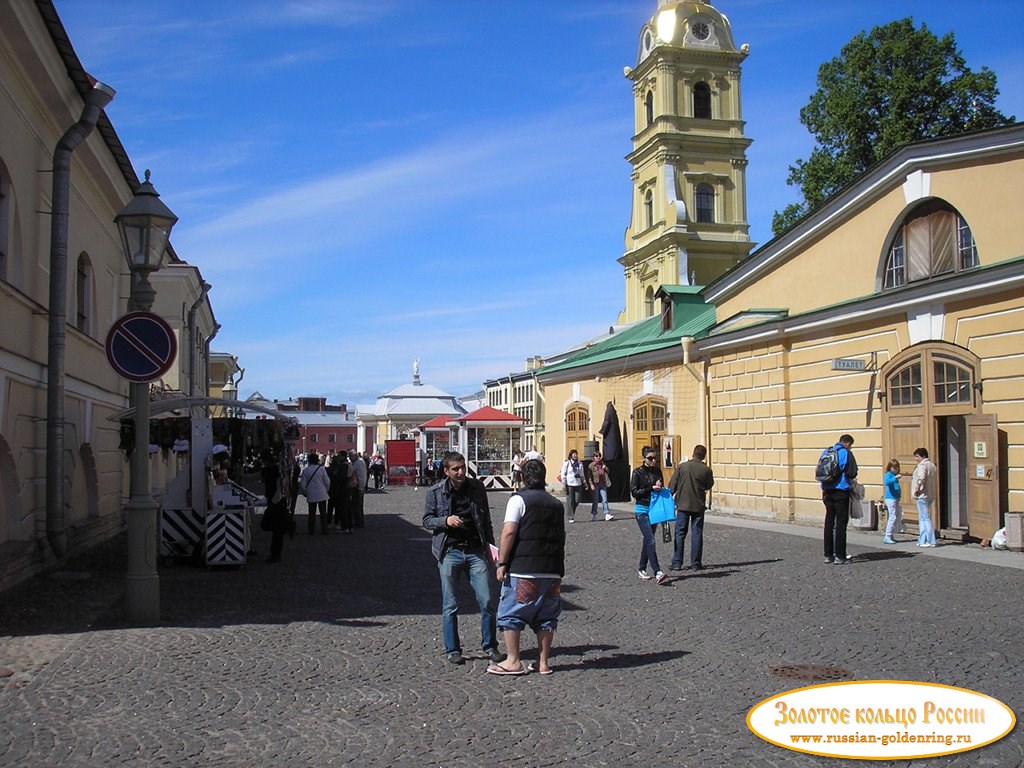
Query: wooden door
[982,476]
[906,435]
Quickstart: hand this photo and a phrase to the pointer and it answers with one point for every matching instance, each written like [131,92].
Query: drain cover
[812,672]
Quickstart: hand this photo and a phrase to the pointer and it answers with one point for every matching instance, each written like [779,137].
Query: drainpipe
[95,101]
[193,351]
[206,356]
[686,342]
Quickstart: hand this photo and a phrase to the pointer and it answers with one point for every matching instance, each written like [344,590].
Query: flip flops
[497,669]
[532,668]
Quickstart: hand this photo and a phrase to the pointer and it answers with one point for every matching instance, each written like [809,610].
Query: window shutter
[943,236]
[917,239]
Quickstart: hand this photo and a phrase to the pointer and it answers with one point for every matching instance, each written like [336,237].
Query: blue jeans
[475,566]
[924,521]
[599,494]
[648,552]
[694,521]
[895,522]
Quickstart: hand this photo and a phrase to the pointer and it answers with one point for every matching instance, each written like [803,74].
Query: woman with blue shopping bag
[645,485]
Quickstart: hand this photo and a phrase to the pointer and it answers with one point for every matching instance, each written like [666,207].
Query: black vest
[540,541]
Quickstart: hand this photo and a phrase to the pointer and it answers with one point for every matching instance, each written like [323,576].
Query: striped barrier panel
[181,531]
[226,537]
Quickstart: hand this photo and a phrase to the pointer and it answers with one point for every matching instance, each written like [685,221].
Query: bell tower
[688,222]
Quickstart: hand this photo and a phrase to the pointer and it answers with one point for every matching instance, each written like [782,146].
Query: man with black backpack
[836,471]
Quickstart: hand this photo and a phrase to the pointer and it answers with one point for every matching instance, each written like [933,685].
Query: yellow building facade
[44,93]
[893,313]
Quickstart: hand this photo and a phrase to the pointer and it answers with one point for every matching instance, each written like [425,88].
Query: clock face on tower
[701,30]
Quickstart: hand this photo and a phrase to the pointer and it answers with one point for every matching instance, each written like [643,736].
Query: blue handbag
[663,507]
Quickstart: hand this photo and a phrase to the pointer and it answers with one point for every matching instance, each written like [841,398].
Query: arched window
[649,302]
[648,210]
[649,108]
[83,295]
[705,203]
[702,101]
[935,374]
[934,239]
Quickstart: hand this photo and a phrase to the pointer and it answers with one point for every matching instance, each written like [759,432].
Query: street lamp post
[145,225]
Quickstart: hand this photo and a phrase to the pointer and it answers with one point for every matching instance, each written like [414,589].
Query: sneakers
[888,540]
[643,575]
[839,561]
[593,518]
[495,655]
[455,657]
[572,519]
[609,516]
[661,577]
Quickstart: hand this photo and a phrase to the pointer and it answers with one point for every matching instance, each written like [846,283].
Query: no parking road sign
[141,347]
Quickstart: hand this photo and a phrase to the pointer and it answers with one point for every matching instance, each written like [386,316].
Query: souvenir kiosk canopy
[488,438]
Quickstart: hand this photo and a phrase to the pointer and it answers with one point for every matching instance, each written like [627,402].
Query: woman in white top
[315,485]
[574,481]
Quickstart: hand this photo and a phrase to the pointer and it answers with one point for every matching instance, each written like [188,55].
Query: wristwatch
[501,565]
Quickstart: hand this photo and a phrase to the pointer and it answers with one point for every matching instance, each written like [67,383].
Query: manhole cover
[811,672]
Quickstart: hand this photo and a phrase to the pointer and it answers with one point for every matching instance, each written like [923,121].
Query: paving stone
[333,657]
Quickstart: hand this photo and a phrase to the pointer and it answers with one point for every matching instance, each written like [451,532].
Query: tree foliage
[896,85]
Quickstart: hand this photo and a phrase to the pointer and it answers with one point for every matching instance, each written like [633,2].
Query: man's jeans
[686,520]
[475,566]
[599,494]
[926,530]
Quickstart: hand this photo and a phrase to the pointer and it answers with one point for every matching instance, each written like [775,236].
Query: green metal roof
[690,319]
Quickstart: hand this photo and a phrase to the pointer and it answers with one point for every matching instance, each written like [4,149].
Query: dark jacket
[437,507]
[690,484]
[540,539]
[642,483]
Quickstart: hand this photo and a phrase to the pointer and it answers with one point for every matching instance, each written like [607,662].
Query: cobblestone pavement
[334,657]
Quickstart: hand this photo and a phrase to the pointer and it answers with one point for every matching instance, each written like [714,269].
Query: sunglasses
[650,457]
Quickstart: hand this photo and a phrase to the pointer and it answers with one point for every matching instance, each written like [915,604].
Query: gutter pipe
[95,100]
[192,331]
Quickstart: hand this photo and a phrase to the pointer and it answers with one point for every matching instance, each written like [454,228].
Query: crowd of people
[527,558]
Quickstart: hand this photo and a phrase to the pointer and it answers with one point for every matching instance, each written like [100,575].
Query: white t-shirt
[514,510]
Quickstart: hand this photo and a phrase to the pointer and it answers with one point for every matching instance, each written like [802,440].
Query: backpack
[828,472]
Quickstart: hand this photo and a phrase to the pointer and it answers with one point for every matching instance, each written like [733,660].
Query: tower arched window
[648,209]
[933,239]
[649,109]
[702,101]
[649,302]
[83,295]
[705,199]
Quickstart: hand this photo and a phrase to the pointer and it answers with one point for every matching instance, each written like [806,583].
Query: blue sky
[368,182]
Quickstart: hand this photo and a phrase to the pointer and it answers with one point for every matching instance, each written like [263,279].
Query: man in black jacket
[531,564]
[457,513]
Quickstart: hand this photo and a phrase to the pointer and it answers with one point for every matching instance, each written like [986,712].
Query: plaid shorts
[534,603]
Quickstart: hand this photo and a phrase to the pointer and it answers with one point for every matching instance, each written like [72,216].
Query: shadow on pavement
[384,569]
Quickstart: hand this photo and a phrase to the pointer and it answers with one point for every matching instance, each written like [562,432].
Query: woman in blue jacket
[891,481]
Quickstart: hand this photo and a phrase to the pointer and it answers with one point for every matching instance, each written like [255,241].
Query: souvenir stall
[488,438]
[206,514]
[436,439]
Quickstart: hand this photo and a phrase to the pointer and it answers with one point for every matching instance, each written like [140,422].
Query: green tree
[894,86]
